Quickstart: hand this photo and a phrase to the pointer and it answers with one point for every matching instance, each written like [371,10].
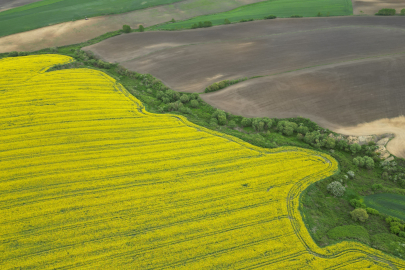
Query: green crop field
[390,204]
[279,8]
[50,12]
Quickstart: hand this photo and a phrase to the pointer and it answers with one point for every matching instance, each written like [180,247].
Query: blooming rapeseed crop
[90,180]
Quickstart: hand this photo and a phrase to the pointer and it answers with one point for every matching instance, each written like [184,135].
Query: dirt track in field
[371,7]
[340,72]
[8,4]
[79,31]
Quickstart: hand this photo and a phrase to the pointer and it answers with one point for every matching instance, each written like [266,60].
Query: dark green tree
[126,28]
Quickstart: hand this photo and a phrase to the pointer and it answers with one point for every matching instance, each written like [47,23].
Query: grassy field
[389,204]
[279,8]
[48,12]
[92,180]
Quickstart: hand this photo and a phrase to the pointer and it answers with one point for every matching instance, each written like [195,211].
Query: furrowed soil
[74,32]
[341,72]
[373,6]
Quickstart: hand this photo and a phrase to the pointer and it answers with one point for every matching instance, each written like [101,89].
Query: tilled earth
[341,72]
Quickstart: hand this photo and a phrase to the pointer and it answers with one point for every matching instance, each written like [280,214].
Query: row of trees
[127,29]
[222,84]
[202,25]
[389,12]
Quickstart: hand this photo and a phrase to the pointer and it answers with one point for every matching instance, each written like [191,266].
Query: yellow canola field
[89,180]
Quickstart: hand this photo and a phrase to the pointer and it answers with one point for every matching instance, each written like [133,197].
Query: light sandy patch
[395,125]
[79,31]
[371,7]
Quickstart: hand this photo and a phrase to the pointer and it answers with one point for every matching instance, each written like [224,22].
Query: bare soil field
[83,30]
[354,98]
[340,72]
[251,49]
[373,6]
[8,4]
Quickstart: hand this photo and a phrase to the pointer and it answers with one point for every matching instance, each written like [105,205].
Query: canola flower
[89,180]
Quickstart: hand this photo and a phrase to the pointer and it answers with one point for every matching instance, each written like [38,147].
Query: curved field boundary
[102,183]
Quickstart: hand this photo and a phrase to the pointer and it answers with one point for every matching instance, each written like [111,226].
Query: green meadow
[48,12]
[279,8]
[390,204]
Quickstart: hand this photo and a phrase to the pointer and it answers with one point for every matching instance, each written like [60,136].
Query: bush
[319,14]
[336,189]
[372,211]
[270,17]
[227,21]
[13,54]
[232,124]
[359,214]
[357,203]
[22,53]
[126,28]
[184,98]
[243,20]
[395,229]
[246,122]
[141,28]
[194,103]
[386,12]
[402,234]
[287,127]
[296,16]
[354,148]
[402,13]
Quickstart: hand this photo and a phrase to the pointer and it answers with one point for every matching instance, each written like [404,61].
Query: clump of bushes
[126,28]
[270,17]
[386,12]
[141,28]
[222,84]
[202,25]
[227,21]
[365,161]
[296,16]
[244,20]
[402,13]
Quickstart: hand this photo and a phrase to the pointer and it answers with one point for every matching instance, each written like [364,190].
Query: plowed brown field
[340,72]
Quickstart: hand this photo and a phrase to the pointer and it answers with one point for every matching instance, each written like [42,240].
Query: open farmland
[48,12]
[341,72]
[73,32]
[91,180]
[279,8]
[373,6]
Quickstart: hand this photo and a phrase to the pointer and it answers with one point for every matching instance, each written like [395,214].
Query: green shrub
[227,21]
[231,124]
[296,16]
[243,20]
[357,203]
[207,24]
[386,12]
[126,28]
[13,54]
[270,17]
[194,103]
[402,13]
[359,214]
[141,28]
[372,211]
[319,14]
[402,234]
[184,98]
[246,122]
[22,53]
[395,229]
[349,232]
